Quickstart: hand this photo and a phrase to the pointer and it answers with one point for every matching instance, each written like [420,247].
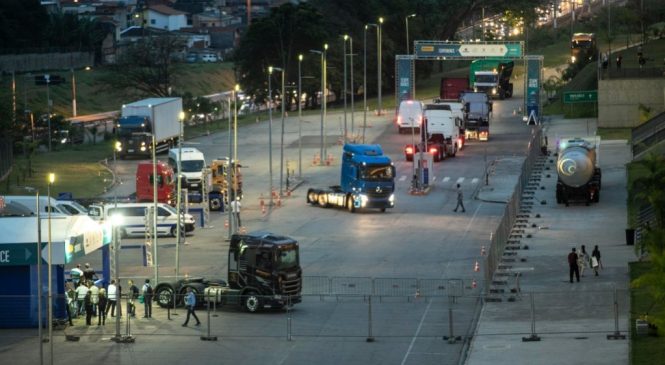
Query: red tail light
[459,142]
[433,150]
[409,150]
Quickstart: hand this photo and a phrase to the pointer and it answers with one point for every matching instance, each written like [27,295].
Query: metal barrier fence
[647,134]
[396,319]
[501,235]
[6,158]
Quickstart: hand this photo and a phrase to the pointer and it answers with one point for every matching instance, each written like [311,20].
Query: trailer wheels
[596,196]
[349,204]
[215,204]
[164,295]
[383,210]
[311,196]
[322,199]
[251,302]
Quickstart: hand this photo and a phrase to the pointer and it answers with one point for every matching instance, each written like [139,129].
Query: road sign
[439,50]
[16,254]
[589,96]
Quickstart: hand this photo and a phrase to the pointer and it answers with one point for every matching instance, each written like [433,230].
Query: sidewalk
[571,321]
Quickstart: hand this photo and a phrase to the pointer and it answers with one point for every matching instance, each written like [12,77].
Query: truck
[263,272]
[477,109]
[492,75]
[221,167]
[452,87]
[578,173]
[367,180]
[583,48]
[141,120]
[440,136]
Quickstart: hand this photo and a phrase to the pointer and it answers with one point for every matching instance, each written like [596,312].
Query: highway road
[421,238]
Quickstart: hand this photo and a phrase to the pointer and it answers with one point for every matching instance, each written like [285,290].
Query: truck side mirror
[466,107]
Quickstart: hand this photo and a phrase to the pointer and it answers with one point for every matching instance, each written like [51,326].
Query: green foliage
[645,350]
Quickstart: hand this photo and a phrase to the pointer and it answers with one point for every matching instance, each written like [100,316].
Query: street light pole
[40,291]
[406,19]
[323,95]
[353,91]
[325,100]
[73,92]
[47,77]
[116,252]
[378,75]
[51,180]
[155,261]
[346,38]
[365,78]
[299,116]
[179,197]
[229,182]
[270,68]
[281,143]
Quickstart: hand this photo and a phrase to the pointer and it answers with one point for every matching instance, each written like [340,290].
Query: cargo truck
[142,119]
[367,181]
[477,109]
[452,87]
[492,76]
[263,272]
[583,48]
[579,177]
[440,135]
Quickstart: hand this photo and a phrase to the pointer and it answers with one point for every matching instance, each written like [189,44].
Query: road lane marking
[446,179]
[402,178]
[460,180]
[475,180]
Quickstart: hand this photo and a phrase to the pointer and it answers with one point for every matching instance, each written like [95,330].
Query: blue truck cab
[367,181]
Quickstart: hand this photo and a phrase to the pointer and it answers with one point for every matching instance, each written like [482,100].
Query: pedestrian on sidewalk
[460,199]
[619,59]
[75,274]
[596,264]
[572,263]
[582,260]
[190,303]
[147,299]
[81,291]
[94,297]
[235,210]
[87,302]
[112,296]
[101,307]
[133,294]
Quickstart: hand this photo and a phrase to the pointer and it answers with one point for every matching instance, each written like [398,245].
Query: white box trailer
[142,119]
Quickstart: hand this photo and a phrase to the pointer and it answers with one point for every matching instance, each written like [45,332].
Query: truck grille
[384,194]
[291,286]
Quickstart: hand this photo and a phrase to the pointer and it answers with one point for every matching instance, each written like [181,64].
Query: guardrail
[647,135]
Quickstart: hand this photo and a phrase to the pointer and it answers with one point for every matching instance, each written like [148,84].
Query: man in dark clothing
[619,59]
[132,296]
[572,263]
[89,273]
[147,299]
[460,199]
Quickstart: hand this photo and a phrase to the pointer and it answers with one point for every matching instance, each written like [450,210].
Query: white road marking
[460,180]
[475,180]
[403,178]
[446,179]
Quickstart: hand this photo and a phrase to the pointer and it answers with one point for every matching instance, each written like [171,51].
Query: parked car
[191,58]
[209,57]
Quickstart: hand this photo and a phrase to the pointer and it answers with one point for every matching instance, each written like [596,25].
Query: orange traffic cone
[263,209]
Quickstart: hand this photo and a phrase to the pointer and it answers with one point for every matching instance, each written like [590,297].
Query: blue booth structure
[71,236]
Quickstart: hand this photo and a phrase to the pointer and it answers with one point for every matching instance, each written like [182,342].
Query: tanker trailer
[578,172]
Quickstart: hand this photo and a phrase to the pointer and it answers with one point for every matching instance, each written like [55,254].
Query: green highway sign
[456,50]
[15,254]
[589,96]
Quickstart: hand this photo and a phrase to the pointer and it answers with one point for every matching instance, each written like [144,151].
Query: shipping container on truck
[452,87]
[142,119]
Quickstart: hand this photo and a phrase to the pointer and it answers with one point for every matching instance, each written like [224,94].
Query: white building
[163,17]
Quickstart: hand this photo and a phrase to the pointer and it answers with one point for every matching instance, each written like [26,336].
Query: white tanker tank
[579,177]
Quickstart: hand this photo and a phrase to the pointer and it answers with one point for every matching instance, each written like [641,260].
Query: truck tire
[383,210]
[349,204]
[164,296]
[251,302]
[311,196]
[215,204]
[454,150]
[322,199]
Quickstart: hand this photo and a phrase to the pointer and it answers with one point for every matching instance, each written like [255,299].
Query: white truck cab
[193,163]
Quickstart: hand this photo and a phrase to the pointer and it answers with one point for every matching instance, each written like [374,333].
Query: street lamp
[346,38]
[179,197]
[230,186]
[365,77]
[300,57]
[406,19]
[323,97]
[116,221]
[51,180]
[47,77]
[270,70]
[378,74]
[87,68]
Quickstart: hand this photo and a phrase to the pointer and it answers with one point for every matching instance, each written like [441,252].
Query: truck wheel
[322,199]
[251,302]
[164,295]
[454,150]
[383,210]
[215,204]
[349,204]
[311,196]
[596,196]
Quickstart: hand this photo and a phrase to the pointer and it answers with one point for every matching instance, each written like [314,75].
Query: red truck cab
[165,183]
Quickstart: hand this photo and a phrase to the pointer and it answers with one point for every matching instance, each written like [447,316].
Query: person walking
[460,199]
[582,260]
[81,291]
[75,274]
[133,294]
[101,307]
[619,59]
[69,299]
[596,264]
[147,299]
[112,296]
[235,210]
[87,302]
[94,296]
[572,263]
[190,304]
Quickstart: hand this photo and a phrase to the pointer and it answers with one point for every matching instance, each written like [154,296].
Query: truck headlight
[392,198]
[493,91]
[363,200]
[573,59]
[142,148]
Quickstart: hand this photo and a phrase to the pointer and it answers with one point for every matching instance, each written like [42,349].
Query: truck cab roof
[367,153]
[261,239]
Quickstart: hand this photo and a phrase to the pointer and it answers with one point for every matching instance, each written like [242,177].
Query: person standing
[147,299]
[112,296]
[133,294]
[87,302]
[619,59]
[190,304]
[94,296]
[235,210]
[595,260]
[75,274]
[69,296]
[572,263]
[101,307]
[81,291]
[582,260]
[460,199]
[89,273]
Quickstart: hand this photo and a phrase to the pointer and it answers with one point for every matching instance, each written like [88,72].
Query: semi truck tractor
[141,120]
[263,272]
[583,48]
[492,76]
[367,181]
[477,109]
[579,177]
[440,136]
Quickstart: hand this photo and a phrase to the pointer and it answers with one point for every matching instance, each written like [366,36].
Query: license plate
[130,151]
[194,185]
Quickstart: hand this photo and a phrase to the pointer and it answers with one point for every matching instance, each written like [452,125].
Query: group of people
[578,262]
[85,297]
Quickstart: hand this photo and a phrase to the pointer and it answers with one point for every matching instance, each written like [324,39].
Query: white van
[133,217]
[409,115]
[30,202]
[193,162]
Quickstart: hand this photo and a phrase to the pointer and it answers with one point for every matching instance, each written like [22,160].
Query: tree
[146,67]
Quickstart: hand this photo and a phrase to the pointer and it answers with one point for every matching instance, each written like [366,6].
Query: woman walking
[595,260]
[582,260]
[101,306]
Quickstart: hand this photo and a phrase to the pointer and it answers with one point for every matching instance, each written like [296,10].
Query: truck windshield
[287,258]
[376,173]
[485,78]
[581,44]
[192,165]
